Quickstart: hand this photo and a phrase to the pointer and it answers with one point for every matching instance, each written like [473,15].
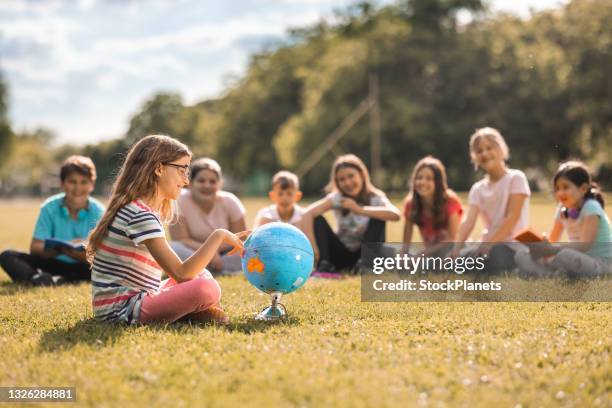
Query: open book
[529,235]
[52,243]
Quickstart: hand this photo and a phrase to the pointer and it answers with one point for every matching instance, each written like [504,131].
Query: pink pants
[177,300]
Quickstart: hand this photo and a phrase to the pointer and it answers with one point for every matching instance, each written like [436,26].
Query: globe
[278,258]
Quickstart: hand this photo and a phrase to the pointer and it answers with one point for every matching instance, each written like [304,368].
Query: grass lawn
[333,350]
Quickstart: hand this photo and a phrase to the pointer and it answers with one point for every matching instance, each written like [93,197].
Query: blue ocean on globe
[278,258]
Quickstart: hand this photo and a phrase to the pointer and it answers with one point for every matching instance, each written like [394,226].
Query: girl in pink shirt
[203,208]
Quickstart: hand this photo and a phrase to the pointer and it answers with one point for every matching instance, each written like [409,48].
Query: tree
[164,113]
[541,80]
[29,164]
[6,134]
[253,111]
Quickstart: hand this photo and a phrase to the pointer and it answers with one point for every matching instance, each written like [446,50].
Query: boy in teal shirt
[67,217]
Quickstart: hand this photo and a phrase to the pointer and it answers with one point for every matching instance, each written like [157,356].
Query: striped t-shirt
[123,270]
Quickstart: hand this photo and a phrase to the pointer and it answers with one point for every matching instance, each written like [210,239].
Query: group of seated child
[127,249]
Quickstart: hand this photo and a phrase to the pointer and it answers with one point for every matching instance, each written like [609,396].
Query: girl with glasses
[128,249]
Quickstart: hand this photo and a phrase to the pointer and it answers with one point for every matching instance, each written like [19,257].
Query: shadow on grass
[257,326]
[9,288]
[88,331]
[246,325]
[100,334]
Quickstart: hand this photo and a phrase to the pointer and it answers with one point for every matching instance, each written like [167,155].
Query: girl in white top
[501,197]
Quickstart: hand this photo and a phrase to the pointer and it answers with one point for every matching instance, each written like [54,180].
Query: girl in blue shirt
[581,215]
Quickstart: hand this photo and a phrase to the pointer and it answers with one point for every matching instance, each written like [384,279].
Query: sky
[82,68]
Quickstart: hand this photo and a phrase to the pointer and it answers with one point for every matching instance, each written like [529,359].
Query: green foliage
[6,134]
[252,112]
[541,80]
[437,15]
[164,114]
[28,167]
[585,35]
[108,157]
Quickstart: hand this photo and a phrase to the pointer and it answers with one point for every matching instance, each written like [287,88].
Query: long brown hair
[441,193]
[353,162]
[137,179]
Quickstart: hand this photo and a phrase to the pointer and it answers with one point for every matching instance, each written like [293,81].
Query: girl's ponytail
[595,193]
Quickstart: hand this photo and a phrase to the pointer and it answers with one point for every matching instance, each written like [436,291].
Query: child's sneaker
[46,279]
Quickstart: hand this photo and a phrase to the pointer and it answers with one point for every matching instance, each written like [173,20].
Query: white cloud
[38,97]
[42,30]
[209,36]
[39,8]
[107,80]
[29,71]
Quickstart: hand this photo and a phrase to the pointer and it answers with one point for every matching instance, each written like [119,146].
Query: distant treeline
[544,82]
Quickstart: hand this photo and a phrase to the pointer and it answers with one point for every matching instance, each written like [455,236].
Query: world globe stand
[277,260]
[275,311]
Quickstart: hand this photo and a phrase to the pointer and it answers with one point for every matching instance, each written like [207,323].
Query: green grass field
[333,350]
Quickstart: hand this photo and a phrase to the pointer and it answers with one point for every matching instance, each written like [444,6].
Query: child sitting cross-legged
[129,251]
[580,213]
[67,217]
[361,211]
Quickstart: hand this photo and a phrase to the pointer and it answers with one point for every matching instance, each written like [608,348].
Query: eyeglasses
[182,168]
